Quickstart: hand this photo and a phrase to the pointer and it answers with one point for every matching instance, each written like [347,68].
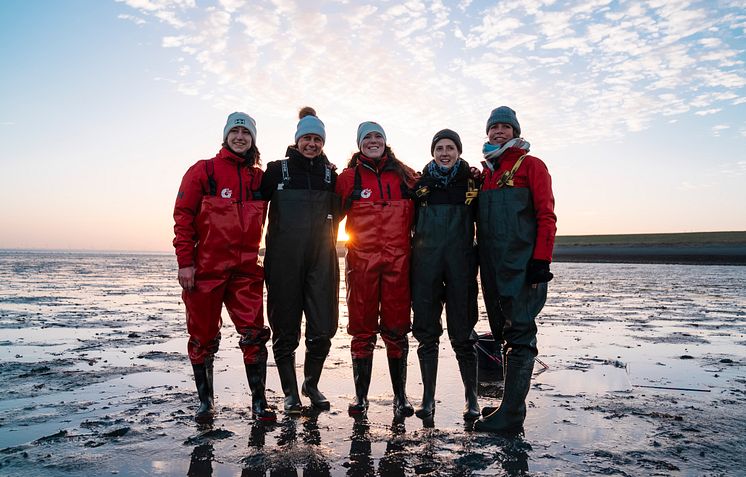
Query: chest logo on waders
[226,193]
[365,193]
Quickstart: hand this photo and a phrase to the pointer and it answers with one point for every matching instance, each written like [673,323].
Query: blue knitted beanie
[310,125]
[368,127]
[504,115]
[240,119]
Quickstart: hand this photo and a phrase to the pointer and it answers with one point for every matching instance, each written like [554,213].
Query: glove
[538,272]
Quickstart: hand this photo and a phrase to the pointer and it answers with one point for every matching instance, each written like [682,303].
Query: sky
[637,108]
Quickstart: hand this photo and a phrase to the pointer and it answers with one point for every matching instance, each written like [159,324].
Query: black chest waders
[302,276]
[507,235]
[444,271]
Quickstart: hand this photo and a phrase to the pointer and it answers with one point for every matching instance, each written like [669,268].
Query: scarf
[441,174]
[491,152]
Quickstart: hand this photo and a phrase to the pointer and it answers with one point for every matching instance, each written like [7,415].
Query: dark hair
[405,172]
[254,156]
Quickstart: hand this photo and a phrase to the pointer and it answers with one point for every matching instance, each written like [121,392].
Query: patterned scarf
[492,152]
[442,174]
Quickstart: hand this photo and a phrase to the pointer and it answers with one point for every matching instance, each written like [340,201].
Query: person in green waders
[300,263]
[444,268]
[516,229]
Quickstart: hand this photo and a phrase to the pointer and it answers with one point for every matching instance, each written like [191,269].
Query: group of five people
[411,246]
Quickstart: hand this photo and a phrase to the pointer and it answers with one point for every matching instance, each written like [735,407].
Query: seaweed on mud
[676,337]
[209,436]
[162,356]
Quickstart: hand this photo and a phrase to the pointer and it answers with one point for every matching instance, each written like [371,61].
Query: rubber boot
[487,410]
[429,370]
[257,377]
[289,382]
[510,415]
[362,368]
[312,368]
[468,369]
[398,372]
[205,391]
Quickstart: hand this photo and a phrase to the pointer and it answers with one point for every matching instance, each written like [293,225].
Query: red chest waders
[227,271]
[378,297]
[378,256]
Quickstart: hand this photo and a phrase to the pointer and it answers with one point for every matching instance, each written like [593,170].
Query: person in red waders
[301,259]
[375,196]
[219,217]
[516,226]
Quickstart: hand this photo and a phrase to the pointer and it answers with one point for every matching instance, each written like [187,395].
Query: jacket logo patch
[226,193]
[365,193]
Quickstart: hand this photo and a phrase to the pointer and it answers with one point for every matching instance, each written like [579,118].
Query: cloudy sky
[637,108]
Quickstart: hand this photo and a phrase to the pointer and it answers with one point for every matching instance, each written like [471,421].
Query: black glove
[538,272]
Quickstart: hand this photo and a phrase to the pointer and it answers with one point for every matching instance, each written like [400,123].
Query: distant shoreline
[682,254]
[696,248]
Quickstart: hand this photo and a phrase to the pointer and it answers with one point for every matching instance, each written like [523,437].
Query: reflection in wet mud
[96,382]
[200,464]
[360,463]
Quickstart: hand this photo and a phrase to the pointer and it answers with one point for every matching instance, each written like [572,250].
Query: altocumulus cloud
[579,70]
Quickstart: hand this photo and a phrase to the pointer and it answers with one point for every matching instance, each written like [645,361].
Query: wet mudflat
[646,376]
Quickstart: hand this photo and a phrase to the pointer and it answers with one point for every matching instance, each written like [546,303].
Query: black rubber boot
[362,368]
[429,370]
[312,368]
[203,380]
[510,415]
[257,377]
[468,369]
[398,372]
[289,382]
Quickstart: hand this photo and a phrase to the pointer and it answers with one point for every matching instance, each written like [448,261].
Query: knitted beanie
[504,115]
[368,127]
[240,119]
[309,124]
[446,134]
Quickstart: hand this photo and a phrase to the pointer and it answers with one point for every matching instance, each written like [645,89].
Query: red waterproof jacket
[379,183]
[534,175]
[387,186]
[228,180]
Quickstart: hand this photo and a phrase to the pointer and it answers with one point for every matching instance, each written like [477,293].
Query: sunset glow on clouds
[638,108]
[616,65]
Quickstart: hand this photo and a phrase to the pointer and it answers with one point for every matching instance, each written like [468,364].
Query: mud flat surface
[645,376]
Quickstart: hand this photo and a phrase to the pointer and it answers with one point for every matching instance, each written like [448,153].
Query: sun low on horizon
[638,109]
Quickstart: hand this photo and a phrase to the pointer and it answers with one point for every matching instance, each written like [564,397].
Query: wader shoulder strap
[285,175]
[327,175]
[210,171]
[357,190]
[471,191]
[507,177]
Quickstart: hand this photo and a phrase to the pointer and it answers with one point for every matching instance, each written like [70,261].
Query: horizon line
[158,252]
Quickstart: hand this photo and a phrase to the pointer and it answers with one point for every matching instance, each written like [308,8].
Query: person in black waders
[219,217]
[375,195]
[444,268]
[516,227]
[301,263]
